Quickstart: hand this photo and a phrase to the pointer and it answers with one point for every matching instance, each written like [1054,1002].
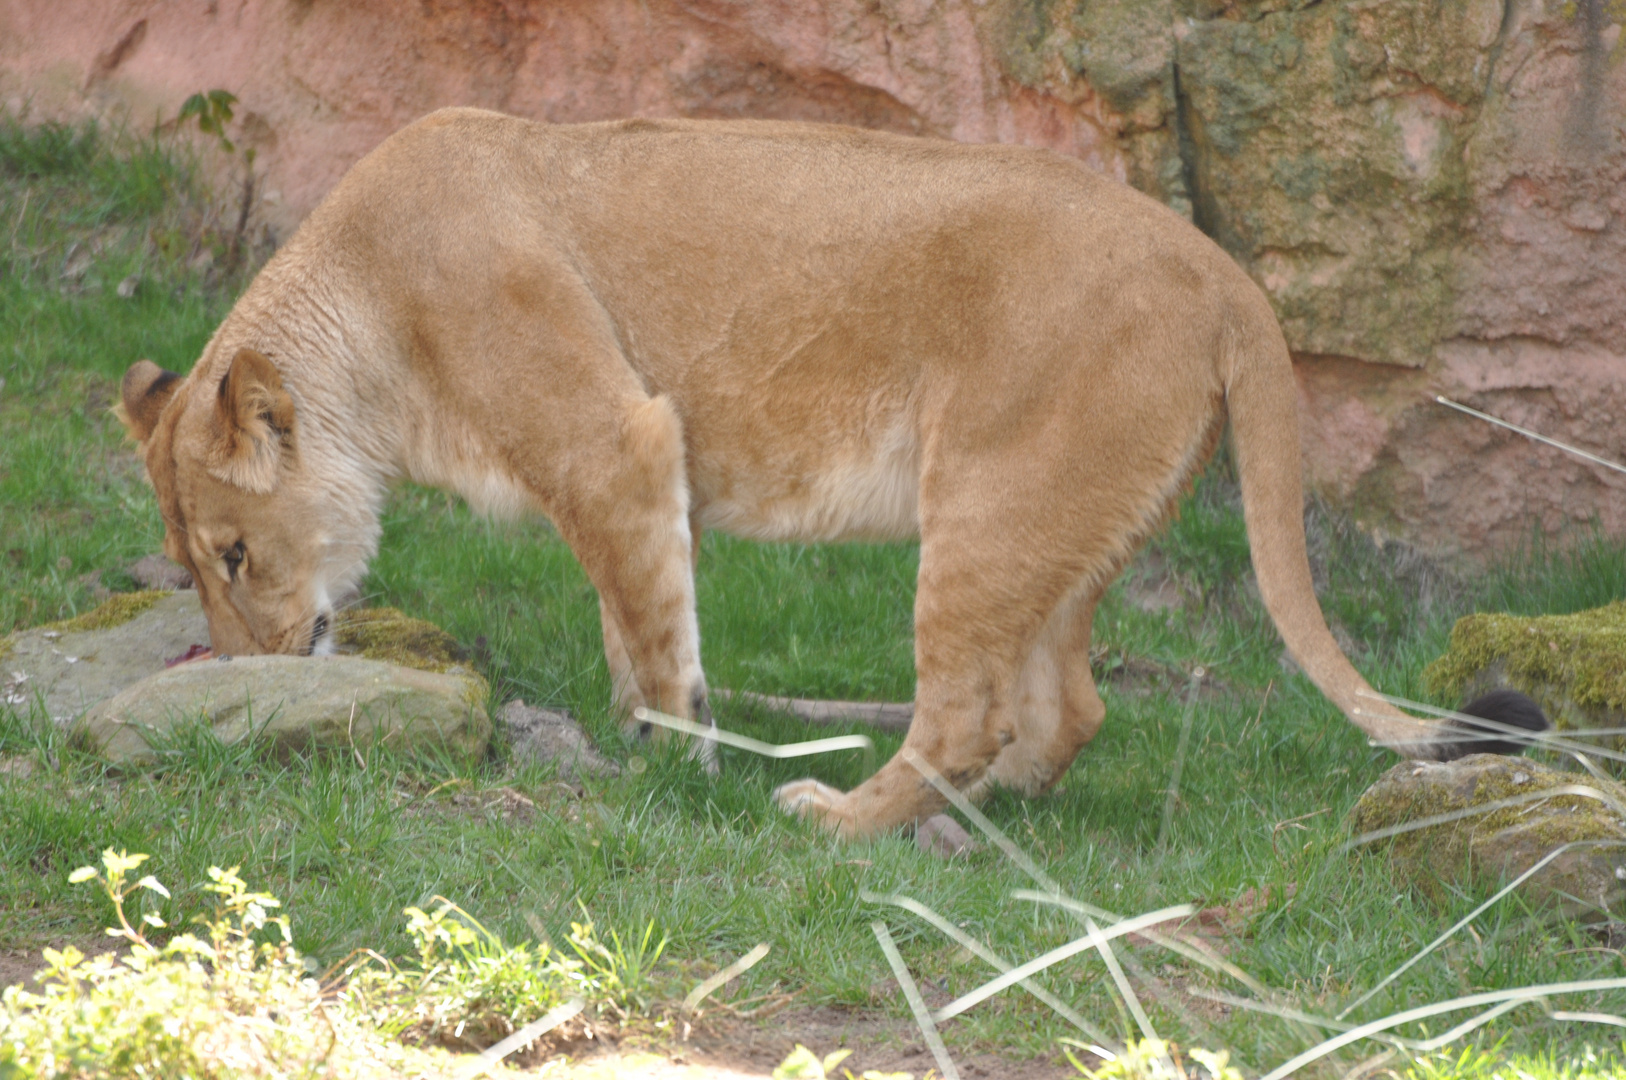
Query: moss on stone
[116,611]
[1502,842]
[1582,656]
[389,635]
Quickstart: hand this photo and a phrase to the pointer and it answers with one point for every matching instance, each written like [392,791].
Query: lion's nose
[318,631]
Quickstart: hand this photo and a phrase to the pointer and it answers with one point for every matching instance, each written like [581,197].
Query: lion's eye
[234,559]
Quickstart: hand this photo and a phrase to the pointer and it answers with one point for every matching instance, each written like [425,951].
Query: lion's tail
[1261,399]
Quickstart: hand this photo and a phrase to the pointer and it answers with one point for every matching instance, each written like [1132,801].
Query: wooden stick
[888,716]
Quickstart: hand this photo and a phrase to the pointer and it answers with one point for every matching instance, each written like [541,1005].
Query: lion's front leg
[624,693]
[631,533]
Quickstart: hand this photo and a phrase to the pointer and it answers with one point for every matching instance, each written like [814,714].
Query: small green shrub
[467,988]
[1154,1059]
[233,1002]
[237,1001]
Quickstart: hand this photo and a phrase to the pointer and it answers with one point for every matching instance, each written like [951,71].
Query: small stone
[542,735]
[127,288]
[1521,778]
[157,572]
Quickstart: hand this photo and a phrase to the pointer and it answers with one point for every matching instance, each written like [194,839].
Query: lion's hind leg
[983,600]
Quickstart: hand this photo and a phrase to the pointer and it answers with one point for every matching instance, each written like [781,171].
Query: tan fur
[640,329]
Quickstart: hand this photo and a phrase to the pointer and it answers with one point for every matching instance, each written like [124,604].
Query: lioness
[647,328]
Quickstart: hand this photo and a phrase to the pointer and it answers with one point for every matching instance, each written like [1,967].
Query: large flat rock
[293,702]
[68,667]
[103,674]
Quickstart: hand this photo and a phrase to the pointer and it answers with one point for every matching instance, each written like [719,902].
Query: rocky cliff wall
[1430,191]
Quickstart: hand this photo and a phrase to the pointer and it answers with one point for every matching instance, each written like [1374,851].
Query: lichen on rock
[1503,842]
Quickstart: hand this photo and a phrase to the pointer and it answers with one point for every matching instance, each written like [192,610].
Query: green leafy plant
[622,976]
[804,1064]
[213,111]
[233,1001]
[467,987]
[1155,1059]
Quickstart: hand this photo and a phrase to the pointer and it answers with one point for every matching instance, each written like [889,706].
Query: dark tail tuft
[1505,709]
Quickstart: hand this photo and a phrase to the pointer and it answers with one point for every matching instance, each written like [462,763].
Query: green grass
[1270,772]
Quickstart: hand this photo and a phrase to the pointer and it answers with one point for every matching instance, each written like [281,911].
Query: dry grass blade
[1591,767]
[1298,1016]
[1099,941]
[1095,939]
[1053,894]
[992,831]
[1493,997]
[757,746]
[1527,433]
[993,959]
[1172,799]
[1189,948]
[1590,1018]
[917,1004]
[1474,914]
[1428,1046]
[732,971]
[521,1039]
[886,715]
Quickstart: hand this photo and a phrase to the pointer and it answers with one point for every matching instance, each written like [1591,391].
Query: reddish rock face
[1430,191]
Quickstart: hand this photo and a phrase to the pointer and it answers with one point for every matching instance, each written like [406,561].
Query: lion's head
[242,510]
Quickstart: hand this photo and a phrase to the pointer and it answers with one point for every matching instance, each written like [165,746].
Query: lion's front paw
[814,801]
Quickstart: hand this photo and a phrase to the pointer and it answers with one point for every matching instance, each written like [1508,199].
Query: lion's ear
[145,391]
[253,424]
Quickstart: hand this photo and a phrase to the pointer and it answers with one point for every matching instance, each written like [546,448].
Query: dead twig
[888,716]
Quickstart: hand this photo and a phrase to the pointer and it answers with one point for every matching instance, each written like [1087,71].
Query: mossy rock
[115,611]
[67,667]
[1501,843]
[389,635]
[1573,665]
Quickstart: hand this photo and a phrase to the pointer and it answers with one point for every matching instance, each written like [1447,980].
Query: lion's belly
[858,493]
